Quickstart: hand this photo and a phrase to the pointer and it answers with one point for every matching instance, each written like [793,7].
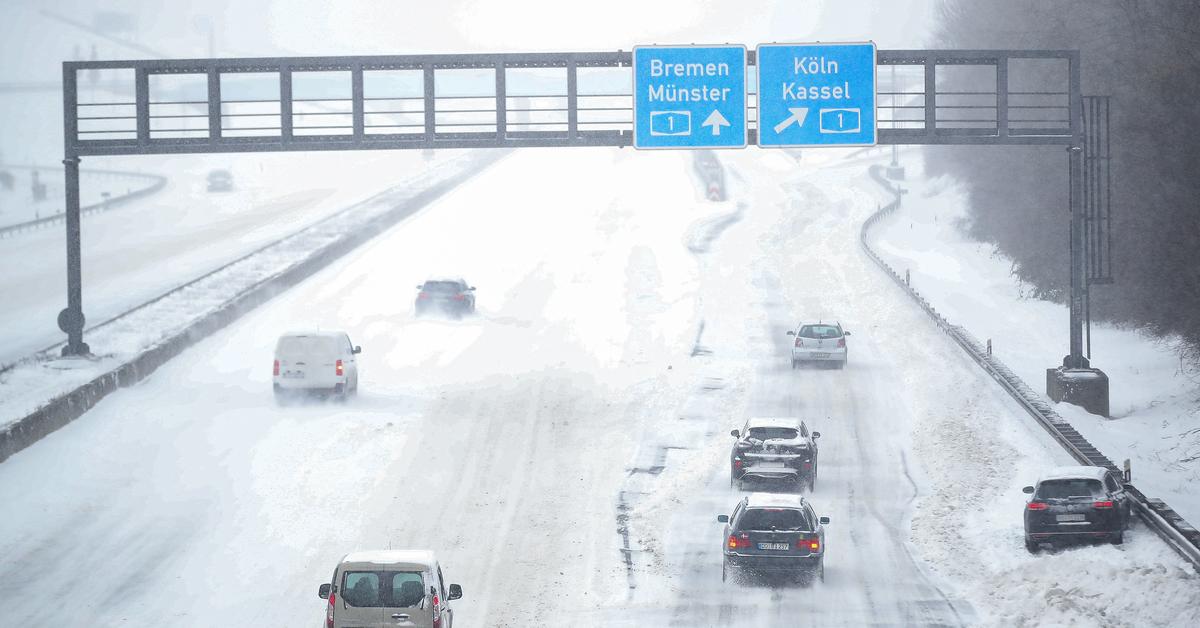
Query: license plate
[769,465]
[774,546]
[820,355]
[293,375]
[1062,518]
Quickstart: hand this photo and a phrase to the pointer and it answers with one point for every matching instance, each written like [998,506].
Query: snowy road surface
[137,252]
[510,442]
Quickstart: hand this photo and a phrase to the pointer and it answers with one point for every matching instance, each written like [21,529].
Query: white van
[316,362]
[389,588]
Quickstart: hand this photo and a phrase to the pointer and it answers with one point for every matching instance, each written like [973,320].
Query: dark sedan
[774,534]
[451,297]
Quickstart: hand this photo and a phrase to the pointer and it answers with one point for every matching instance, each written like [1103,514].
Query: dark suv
[1076,504]
[774,449]
[445,296]
[777,534]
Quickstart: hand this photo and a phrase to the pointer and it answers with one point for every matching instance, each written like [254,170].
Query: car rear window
[774,519]
[768,433]
[1062,489]
[819,331]
[304,346]
[441,286]
[392,589]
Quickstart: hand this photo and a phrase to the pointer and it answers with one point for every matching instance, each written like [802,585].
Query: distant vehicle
[451,297]
[220,181]
[320,362]
[774,449]
[1076,504]
[773,534]
[389,588]
[820,343]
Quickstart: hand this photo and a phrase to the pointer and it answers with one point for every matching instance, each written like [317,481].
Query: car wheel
[724,569]
[795,364]
[841,365]
[1031,545]
[821,570]
[812,480]
[1117,538]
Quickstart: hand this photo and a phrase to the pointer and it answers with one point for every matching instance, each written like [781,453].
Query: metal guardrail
[156,183]
[1169,525]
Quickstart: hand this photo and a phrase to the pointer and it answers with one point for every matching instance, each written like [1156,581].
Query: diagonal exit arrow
[716,121]
[798,116]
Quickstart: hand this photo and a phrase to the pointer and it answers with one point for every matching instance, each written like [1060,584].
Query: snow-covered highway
[507,442]
[135,253]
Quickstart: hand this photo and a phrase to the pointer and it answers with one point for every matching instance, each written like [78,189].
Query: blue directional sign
[689,96]
[816,94]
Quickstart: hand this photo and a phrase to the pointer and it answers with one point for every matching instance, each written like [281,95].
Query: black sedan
[771,534]
[450,297]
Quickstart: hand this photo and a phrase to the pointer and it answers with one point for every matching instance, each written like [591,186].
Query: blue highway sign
[689,96]
[816,94]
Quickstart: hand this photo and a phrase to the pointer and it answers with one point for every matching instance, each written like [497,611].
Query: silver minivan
[323,362]
[389,588]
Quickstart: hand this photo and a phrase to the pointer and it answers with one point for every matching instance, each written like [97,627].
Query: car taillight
[1102,505]
[422,295]
[460,297]
[737,463]
[799,342]
[841,343]
[329,611]
[1036,506]
[437,613]
[811,544]
[275,371]
[341,370]
[735,541]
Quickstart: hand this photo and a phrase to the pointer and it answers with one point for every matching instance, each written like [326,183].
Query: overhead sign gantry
[675,97]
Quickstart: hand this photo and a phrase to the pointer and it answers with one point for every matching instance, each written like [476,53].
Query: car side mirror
[472,288]
[824,520]
[420,287]
[816,435]
[1028,490]
[845,333]
[735,433]
[791,333]
[357,349]
[722,518]
[323,592]
[455,592]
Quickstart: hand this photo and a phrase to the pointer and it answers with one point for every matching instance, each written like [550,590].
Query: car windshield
[293,347]
[769,433]
[1063,489]
[441,286]
[774,519]
[392,589]
[819,331]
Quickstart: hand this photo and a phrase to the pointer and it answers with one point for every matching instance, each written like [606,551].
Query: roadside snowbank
[1155,395]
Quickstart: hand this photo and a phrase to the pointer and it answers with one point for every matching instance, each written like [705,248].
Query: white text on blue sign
[816,94]
[689,96]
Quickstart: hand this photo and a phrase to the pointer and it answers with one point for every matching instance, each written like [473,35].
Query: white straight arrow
[798,116]
[716,121]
